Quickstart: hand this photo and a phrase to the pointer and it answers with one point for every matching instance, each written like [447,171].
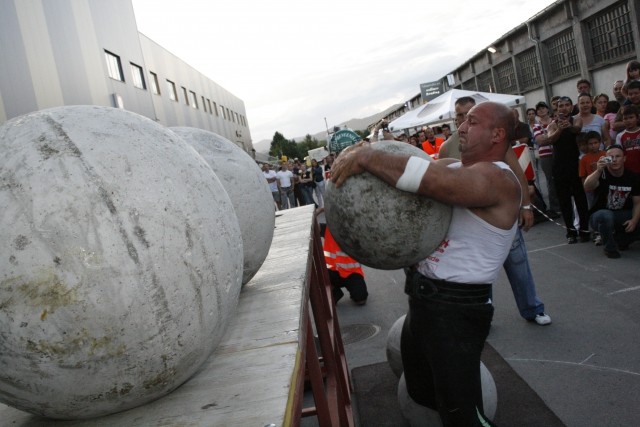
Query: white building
[73,52]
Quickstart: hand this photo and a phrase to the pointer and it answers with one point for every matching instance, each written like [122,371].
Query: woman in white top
[587,121]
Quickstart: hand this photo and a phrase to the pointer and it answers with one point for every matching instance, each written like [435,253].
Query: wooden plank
[248,379]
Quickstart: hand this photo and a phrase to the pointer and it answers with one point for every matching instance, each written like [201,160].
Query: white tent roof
[441,109]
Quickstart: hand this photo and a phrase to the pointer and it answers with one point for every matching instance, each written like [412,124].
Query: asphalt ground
[585,366]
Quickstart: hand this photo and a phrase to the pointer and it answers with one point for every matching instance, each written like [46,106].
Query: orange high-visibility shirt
[337,260]
[430,149]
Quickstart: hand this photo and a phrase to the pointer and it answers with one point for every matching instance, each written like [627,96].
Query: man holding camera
[616,211]
[562,134]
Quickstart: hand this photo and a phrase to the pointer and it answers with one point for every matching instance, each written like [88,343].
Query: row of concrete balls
[126,244]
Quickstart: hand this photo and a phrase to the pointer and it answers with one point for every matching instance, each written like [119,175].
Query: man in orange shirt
[431,145]
[344,272]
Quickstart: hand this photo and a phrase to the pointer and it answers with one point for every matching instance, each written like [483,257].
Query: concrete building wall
[208,114]
[551,51]
[54,54]
[532,98]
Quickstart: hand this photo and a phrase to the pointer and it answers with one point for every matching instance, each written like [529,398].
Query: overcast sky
[296,62]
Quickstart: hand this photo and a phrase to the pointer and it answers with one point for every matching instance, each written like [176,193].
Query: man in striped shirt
[545,152]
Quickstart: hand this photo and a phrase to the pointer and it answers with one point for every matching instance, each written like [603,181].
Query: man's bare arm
[592,181]
[526,215]
[480,185]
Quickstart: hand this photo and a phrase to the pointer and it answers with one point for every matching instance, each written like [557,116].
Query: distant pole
[326,125]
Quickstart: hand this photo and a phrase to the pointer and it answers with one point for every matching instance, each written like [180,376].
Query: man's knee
[602,217]
[357,287]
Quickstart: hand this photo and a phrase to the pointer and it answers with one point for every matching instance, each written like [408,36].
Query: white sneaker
[598,240]
[542,319]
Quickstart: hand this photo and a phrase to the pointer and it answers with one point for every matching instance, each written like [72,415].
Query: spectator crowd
[587,148]
[298,183]
[584,148]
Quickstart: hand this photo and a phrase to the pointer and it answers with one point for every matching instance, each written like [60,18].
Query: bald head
[487,132]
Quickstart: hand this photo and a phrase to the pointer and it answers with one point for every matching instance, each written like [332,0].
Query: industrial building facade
[90,52]
[546,55]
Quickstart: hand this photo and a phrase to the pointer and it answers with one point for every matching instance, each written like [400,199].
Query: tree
[308,143]
[280,146]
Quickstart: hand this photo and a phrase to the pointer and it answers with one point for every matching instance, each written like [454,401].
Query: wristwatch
[526,207]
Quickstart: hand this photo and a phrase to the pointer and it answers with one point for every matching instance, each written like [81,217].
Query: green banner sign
[342,139]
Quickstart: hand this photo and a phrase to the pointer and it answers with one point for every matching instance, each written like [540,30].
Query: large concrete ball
[121,262]
[381,226]
[247,188]
[489,392]
[394,354]
[422,416]
[416,414]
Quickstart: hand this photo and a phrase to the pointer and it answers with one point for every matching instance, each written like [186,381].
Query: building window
[485,82]
[237,120]
[194,99]
[506,77]
[223,113]
[611,34]
[185,95]
[215,108]
[209,105]
[155,87]
[528,69]
[138,76]
[204,104]
[114,66]
[562,55]
[228,115]
[469,84]
[171,87]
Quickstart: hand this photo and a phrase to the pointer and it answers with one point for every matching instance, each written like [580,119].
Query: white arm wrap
[413,173]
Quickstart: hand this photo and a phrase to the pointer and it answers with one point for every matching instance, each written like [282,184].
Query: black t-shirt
[318,174]
[566,154]
[523,131]
[616,193]
[307,175]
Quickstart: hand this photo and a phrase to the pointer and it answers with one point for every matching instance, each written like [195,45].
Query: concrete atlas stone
[121,261]
[422,416]
[245,184]
[416,414]
[381,226]
[394,355]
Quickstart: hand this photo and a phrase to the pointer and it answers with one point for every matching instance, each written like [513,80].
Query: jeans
[568,186]
[546,164]
[440,346]
[519,274]
[288,198]
[307,194]
[319,190]
[610,226]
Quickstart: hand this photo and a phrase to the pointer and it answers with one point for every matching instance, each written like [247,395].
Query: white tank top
[473,250]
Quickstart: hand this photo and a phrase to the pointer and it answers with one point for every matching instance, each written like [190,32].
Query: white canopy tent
[441,109]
